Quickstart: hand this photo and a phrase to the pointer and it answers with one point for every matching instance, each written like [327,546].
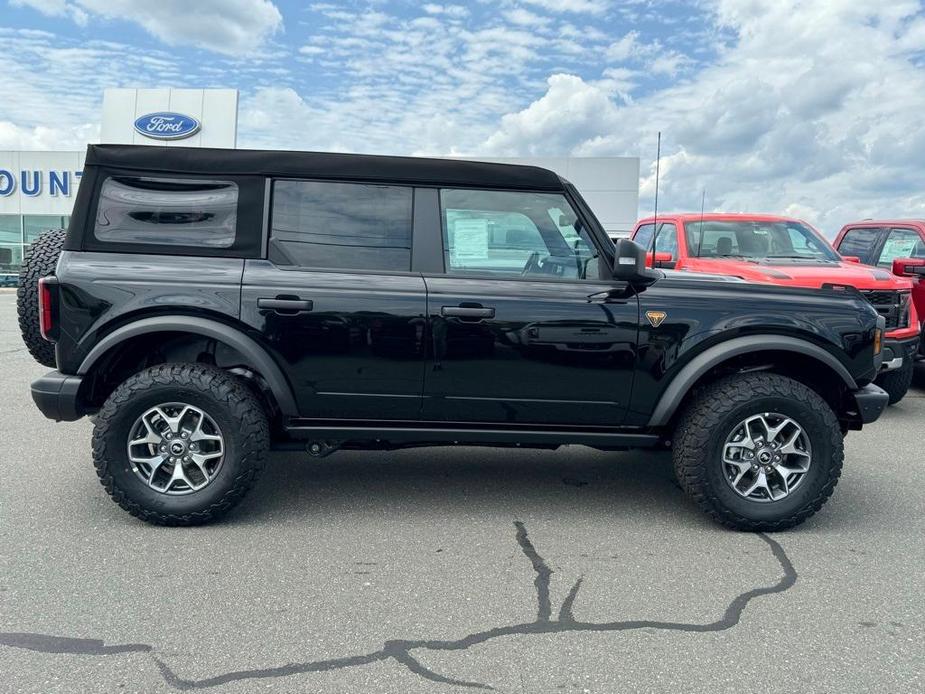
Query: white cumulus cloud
[812,107]
[231,27]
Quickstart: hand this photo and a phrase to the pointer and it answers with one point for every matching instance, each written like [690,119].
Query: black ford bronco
[206,306]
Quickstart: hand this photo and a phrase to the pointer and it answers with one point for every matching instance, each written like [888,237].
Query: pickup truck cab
[207,305]
[788,253]
[896,245]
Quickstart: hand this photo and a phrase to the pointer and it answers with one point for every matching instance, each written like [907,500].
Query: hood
[802,274]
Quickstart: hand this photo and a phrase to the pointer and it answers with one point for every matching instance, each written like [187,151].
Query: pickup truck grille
[892,305]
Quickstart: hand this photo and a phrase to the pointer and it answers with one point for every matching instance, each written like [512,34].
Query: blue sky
[804,107]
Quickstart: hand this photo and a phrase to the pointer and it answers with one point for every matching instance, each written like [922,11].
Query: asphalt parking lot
[438,570]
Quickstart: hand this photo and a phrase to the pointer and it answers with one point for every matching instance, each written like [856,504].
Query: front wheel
[180,444]
[759,451]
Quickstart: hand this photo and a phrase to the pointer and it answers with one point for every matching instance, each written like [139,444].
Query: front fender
[711,357]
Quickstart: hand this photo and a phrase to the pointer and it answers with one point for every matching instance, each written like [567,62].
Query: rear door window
[860,242]
[167,212]
[341,226]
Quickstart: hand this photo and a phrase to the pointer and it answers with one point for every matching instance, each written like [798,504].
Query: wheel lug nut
[184,434]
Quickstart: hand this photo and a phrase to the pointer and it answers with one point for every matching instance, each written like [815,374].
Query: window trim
[268,226]
[580,212]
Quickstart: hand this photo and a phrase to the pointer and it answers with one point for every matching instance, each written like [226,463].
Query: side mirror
[851,259]
[909,267]
[629,264]
[662,259]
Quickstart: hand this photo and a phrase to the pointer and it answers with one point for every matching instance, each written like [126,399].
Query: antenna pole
[658,159]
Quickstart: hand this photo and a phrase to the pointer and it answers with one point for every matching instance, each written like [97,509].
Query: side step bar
[448,436]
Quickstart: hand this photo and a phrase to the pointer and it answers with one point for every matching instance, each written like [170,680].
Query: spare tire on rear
[39,261]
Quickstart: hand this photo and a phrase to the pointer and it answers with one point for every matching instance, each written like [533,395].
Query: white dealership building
[37,189]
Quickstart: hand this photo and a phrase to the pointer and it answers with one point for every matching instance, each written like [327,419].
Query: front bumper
[870,402]
[55,394]
[895,352]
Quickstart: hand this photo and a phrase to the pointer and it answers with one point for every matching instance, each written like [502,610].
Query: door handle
[286,306]
[474,313]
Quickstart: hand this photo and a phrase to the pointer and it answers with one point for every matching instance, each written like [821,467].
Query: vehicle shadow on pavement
[573,481]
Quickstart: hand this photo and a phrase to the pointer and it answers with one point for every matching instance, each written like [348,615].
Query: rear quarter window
[199,214]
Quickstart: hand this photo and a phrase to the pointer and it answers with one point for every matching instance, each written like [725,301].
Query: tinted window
[347,226]
[515,234]
[168,212]
[859,242]
[901,243]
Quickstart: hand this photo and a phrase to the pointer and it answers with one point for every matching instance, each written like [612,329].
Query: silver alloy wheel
[176,448]
[766,457]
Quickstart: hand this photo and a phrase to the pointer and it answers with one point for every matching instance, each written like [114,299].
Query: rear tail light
[48,307]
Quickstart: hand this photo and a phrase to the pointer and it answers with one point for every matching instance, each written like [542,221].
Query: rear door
[336,302]
[526,325]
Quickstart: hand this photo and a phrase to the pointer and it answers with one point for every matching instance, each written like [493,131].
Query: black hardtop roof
[365,167]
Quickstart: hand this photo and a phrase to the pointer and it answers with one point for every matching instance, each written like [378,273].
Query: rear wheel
[758,451]
[897,382]
[180,444]
[40,261]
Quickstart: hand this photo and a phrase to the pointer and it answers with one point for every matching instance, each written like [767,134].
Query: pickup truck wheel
[180,444]
[896,383]
[40,261]
[759,451]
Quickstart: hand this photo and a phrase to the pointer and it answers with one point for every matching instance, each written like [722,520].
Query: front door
[336,301]
[525,327]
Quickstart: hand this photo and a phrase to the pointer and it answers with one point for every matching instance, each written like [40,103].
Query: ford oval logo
[167,126]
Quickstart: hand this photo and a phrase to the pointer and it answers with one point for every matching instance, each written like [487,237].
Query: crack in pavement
[400,650]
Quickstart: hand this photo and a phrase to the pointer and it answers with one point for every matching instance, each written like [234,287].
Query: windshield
[756,240]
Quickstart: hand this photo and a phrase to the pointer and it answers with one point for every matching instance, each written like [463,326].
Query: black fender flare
[232,337]
[689,374]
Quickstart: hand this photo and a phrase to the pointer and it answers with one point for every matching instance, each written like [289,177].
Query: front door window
[515,234]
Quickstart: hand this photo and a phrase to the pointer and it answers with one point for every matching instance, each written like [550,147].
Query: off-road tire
[233,406]
[711,416]
[39,261]
[897,382]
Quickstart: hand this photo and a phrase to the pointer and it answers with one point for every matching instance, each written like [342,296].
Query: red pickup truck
[785,251]
[897,245]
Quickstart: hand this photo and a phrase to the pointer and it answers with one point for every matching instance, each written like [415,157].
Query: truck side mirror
[663,259]
[629,264]
[909,267]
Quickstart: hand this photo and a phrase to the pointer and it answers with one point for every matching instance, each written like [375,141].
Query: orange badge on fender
[656,318]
